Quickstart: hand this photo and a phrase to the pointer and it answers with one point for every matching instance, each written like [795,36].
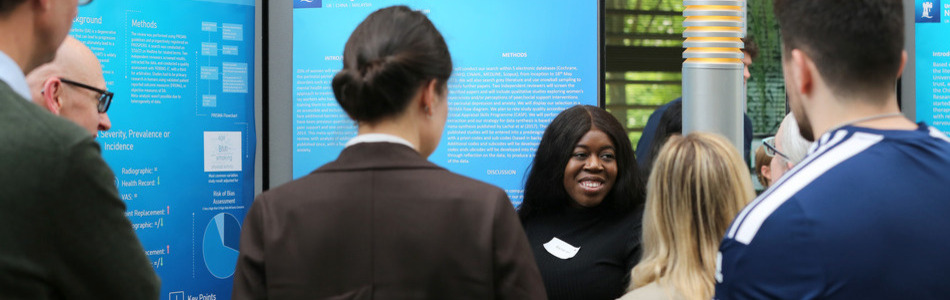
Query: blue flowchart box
[232,32]
[209,49]
[235,77]
[209,73]
[209,100]
[209,26]
[229,50]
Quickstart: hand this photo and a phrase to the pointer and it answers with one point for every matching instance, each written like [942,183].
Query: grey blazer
[381,222]
[63,230]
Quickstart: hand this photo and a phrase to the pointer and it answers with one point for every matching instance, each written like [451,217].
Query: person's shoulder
[664,107]
[778,213]
[875,160]
[674,101]
[28,128]
[41,151]
[790,201]
[459,187]
[923,135]
[652,291]
[406,176]
[932,136]
[771,250]
[840,158]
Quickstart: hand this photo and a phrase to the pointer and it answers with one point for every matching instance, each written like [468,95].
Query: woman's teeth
[591,184]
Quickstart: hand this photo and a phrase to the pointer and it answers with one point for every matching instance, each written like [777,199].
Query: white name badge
[561,249]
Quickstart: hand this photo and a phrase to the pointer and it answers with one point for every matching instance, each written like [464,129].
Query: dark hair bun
[360,96]
[386,60]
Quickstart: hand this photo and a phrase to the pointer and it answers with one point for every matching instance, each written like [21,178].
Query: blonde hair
[698,185]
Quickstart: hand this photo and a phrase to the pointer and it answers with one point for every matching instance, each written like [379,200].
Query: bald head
[73,62]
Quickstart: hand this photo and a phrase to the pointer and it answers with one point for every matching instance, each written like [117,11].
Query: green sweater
[63,230]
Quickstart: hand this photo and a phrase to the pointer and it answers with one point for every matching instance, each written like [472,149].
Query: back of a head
[856,44]
[751,47]
[544,184]
[73,60]
[793,144]
[385,62]
[671,123]
[698,185]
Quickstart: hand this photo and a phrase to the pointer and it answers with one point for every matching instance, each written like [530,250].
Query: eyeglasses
[770,149]
[105,97]
[84,2]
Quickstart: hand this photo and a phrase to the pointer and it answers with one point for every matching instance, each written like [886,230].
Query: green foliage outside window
[766,88]
[634,94]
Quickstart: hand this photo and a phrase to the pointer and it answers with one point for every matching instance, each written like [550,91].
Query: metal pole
[713,91]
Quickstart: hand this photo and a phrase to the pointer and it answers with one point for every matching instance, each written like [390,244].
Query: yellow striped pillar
[713,89]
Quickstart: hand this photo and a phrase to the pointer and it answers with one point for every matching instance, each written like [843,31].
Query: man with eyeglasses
[63,230]
[787,148]
[72,87]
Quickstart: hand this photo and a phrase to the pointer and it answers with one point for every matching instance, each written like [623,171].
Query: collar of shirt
[11,73]
[379,138]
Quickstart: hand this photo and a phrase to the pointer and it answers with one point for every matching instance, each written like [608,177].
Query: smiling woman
[581,209]
[592,170]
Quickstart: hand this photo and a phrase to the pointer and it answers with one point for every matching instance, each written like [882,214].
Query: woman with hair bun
[381,221]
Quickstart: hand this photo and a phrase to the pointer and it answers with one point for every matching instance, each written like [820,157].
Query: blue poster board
[932,54]
[183,140]
[517,64]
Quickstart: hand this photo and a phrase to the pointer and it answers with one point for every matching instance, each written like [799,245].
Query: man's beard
[804,125]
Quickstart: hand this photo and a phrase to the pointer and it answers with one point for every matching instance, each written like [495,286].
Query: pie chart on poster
[220,245]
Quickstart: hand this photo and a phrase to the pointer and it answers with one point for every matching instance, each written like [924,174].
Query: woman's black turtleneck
[609,247]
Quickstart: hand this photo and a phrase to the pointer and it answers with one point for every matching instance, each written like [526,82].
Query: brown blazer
[381,222]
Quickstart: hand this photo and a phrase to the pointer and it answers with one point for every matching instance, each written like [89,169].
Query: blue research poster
[517,65]
[182,142]
[932,27]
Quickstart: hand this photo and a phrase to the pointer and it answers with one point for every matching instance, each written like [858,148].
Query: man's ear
[52,95]
[766,171]
[44,5]
[804,72]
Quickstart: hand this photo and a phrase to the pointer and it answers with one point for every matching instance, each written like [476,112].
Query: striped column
[713,89]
